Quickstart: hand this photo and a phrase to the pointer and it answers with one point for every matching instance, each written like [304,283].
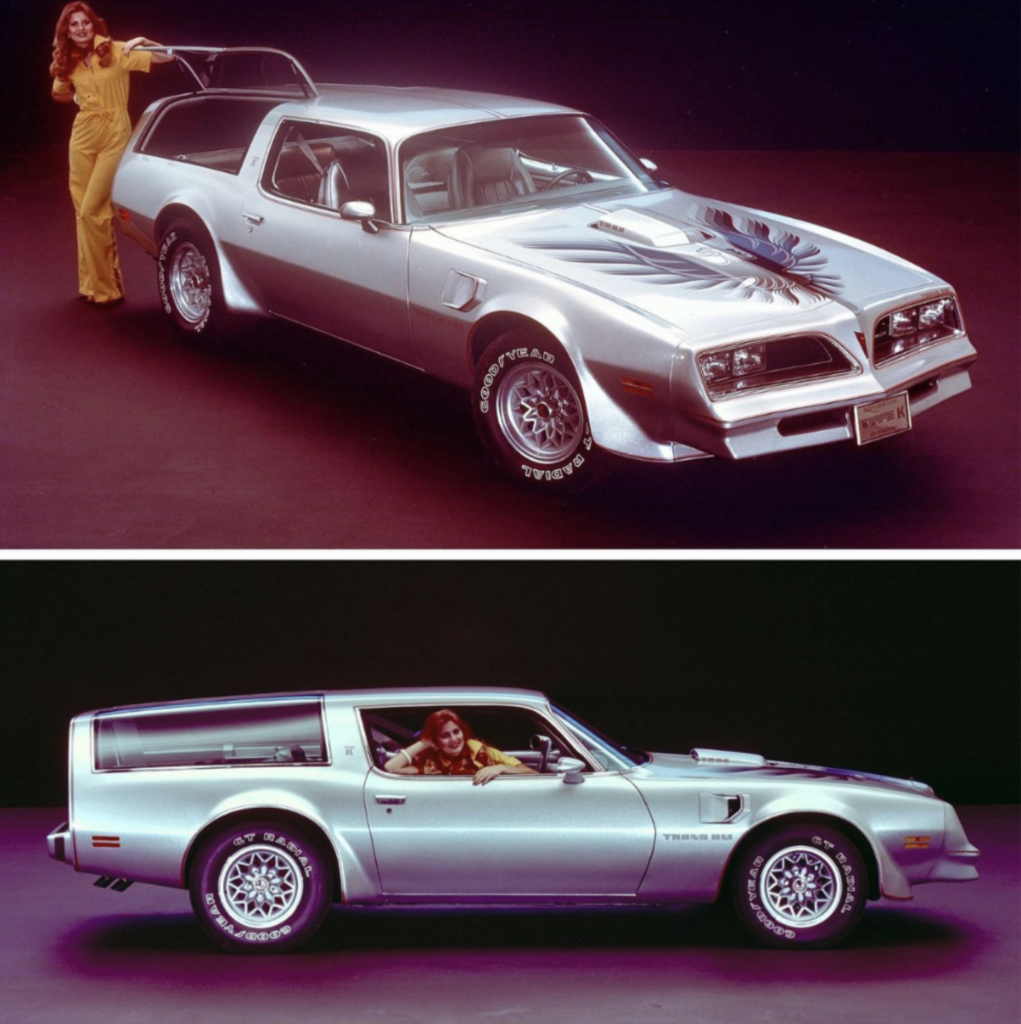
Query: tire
[530,413]
[800,887]
[260,887]
[190,287]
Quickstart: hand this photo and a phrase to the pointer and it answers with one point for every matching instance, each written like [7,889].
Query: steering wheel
[580,173]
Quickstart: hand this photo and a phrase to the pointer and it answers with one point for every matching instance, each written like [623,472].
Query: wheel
[188,276]
[801,886]
[260,887]
[530,413]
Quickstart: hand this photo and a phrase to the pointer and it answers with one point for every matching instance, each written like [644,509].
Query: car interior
[329,170]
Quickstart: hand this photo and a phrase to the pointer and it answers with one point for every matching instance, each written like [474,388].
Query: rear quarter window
[225,734]
[211,131]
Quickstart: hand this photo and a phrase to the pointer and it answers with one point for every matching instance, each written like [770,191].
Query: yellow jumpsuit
[100,133]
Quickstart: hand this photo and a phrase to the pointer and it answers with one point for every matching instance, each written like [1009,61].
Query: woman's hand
[484,775]
[157,58]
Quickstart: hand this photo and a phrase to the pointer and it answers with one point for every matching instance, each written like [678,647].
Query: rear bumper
[58,844]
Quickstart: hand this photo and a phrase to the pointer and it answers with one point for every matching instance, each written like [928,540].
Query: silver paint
[660,832]
[405,291]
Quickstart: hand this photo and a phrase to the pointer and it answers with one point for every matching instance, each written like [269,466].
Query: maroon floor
[115,434]
[71,952]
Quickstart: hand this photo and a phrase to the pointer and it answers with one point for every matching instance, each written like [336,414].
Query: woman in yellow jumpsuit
[92,70]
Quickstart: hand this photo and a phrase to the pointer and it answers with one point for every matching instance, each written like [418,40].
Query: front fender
[890,819]
[622,356]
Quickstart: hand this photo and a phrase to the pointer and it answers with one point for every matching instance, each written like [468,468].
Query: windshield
[610,754]
[514,163]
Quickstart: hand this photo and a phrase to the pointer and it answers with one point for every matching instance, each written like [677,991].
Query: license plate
[876,420]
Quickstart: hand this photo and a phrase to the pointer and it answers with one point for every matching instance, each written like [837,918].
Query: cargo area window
[211,131]
[231,733]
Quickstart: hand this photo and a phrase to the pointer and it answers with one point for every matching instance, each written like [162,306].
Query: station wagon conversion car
[517,249]
[270,808]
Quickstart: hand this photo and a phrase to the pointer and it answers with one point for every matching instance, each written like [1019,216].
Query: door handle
[253,218]
[390,799]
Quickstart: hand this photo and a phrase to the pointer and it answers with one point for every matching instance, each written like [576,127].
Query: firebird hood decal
[693,262]
[774,247]
[663,267]
[781,260]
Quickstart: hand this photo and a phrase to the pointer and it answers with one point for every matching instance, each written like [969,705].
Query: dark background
[929,75]
[901,668]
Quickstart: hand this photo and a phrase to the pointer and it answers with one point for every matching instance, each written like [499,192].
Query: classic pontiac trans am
[270,808]
[517,249]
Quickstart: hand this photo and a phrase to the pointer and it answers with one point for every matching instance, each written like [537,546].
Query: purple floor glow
[77,953]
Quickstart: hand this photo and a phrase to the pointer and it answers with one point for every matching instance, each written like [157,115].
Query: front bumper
[956,863]
[791,429]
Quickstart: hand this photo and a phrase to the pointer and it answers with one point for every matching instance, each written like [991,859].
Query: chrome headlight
[767,364]
[905,330]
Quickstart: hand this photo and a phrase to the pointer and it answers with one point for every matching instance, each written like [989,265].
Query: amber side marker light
[636,387]
[917,842]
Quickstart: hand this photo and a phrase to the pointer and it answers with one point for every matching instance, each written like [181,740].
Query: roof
[424,695]
[399,111]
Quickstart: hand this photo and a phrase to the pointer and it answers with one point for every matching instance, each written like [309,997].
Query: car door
[527,836]
[312,266]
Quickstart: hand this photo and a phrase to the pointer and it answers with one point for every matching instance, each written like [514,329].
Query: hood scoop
[704,756]
[632,226]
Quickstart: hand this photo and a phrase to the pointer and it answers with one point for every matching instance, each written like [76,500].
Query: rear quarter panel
[155,814]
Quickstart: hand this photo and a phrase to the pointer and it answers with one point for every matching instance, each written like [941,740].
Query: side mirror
[648,164]
[362,211]
[571,769]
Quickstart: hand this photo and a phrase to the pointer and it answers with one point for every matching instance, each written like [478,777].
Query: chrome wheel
[190,283]
[540,414]
[801,886]
[261,885]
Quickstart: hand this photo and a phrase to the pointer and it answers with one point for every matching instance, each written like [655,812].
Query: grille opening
[810,422]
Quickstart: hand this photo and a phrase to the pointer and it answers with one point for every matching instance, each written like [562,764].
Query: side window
[213,132]
[509,729]
[328,166]
[223,734]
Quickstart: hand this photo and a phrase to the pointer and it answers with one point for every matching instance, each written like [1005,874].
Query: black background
[902,668]
[922,75]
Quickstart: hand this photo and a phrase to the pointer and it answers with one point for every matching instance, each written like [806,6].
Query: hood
[701,762]
[695,263]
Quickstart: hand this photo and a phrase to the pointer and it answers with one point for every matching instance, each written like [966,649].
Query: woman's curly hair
[65,54]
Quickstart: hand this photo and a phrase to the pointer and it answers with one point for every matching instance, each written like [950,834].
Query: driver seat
[481,176]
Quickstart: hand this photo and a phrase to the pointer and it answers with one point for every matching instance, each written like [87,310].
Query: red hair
[65,54]
[435,722]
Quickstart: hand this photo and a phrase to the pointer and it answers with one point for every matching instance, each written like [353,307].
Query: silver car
[517,249]
[270,808]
